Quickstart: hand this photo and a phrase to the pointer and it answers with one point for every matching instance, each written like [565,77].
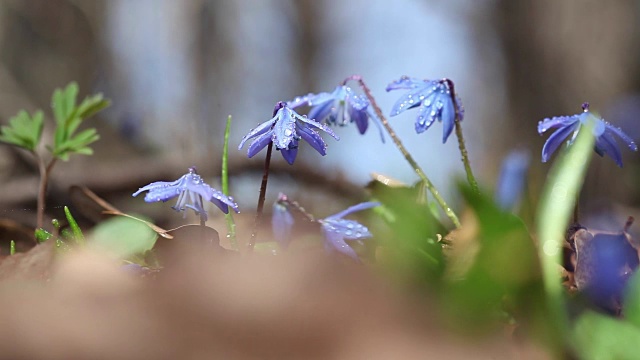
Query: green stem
[45,171]
[418,170]
[231,225]
[465,157]
[463,149]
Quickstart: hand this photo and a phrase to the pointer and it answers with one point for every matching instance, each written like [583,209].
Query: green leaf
[632,300]
[12,247]
[505,267]
[63,103]
[231,225]
[91,105]
[412,248]
[69,117]
[558,199]
[75,229]
[122,237]
[601,337]
[23,130]
[42,235]
[78,144]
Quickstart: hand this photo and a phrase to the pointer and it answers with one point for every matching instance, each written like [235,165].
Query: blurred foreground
[82,305]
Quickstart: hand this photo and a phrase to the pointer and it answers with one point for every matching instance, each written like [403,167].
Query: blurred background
[175,69]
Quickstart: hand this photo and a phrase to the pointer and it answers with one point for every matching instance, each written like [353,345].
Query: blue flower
[285,129]
[436,101]
[282,221]
[336,230]
[570,125]
[340,107]
[512,180]
[190,190]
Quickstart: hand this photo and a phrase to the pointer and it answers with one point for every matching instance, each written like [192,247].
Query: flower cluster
[340,107]
[571,125]
[285,130]
[436,101]
[191,190]
[336,230]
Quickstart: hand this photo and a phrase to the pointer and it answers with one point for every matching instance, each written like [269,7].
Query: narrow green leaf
[231,225]
[75,229]
[559,196]
[12,248]
[92,105]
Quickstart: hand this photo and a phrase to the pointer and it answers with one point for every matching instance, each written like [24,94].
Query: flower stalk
[414,165]
[261,198]
[471,179]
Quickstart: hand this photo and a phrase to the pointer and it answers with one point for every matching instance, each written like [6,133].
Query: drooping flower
[512,180]
[285,129]
[340,107]
[191,190]
[570,125]
[435,99]
[282,221]
[337,230]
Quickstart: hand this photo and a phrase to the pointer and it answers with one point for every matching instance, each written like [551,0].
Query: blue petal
[321,111]
[258,144]
[557,121]
[627,140]
[281,224]
[415,97]
[349,229]
[289,154]
[334,241]
[448,116]
[321,98]
[223,202]
[606,144]
[260,129]
[512,179]
[404,82]
[425,118]
[317,125]
[284,131]
[313,138]
[360,117]
[556,139]
[300,100]
[352,209]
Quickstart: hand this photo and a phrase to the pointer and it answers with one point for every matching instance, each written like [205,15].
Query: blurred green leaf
[63,103]
[122,237]
[23,130]
[12,247]
[92,105]
[412,246]
[601,337]
[505,271]
[78,237]
[559,196]
[632,300]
